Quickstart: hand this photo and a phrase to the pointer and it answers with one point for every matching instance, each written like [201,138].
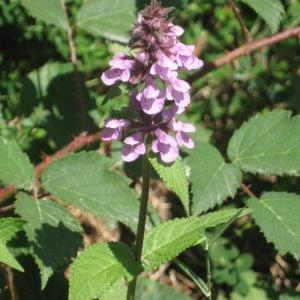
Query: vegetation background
[50,93]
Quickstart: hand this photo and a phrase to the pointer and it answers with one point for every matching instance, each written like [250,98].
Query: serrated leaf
[270,11]
[225,215]
[174,177]
[7,258]
[54,234]
[8,228]
[278,214]
[15,167]
[268,144]
[149,290]
[100,266]
[110,19]
[169,239]
[49,11]
[100,191]
[212,179]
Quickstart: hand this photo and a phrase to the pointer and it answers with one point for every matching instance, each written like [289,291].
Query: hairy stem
[142,222]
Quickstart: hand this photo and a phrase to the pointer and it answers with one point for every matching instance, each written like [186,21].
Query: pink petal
[184,140]
[109,134]
[152,106]
[180,85]
[128,153]
[170,156]
[165,62]
[177,30]
[140,149]
[110,76]
[150,91]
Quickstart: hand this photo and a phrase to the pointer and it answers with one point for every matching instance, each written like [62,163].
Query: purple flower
[151,72]
[185,58]
[181,128]
[162,72]
[120,69]
[178,90]
[113,129]
[166,146]
[134,146]
[152,99]
[164,67]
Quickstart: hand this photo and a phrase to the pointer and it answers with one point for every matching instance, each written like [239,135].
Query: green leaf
[100,190]
[8,228]
[196,279]
[149,290]
[212,179]
[54,85]
[174,177]
[15,167]
[278,214]
[221,218]
[268,144]
[117,291]
[110,19]
[169,239]
[54,234]
[42,77]
[7,258]
[49,11]
[114,92]
[271,11]
[100,266]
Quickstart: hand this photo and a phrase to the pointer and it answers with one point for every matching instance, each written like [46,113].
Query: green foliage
[269,10]
[15,167]
[8,228]
[196,279]
[86,181]
[268,144]
[226,215]
[43,101]
[212,179]
[169,239]
[232,268]
[53,233]
[174,177]
[110,19]
[277,214]
[148,290]
[100,266]
[49,11]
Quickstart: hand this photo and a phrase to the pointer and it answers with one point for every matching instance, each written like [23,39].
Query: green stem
[208,269]
[141,223]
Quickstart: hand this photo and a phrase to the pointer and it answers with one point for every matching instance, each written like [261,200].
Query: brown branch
[11,284]
[6,193]
[78,143]
[247,191]
[7,208]
[245,50]
[73,59]
[238,15]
